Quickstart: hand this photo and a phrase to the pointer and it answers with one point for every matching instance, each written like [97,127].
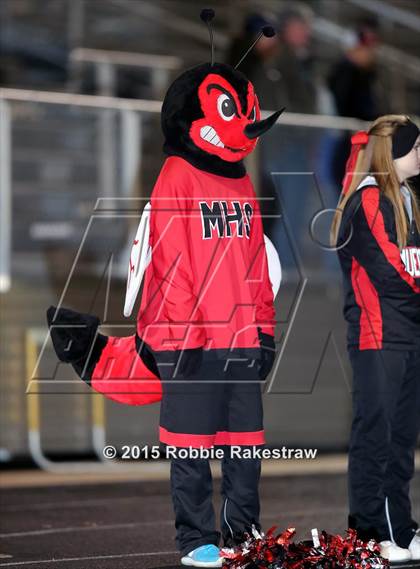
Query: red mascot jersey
[207,284]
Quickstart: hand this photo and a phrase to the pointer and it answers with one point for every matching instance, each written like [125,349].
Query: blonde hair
[376,159]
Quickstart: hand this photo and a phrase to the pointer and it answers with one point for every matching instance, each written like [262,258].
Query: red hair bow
[358,140]
[361,137]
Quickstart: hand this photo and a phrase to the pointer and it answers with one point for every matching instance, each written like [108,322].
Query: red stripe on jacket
[375,219]
[367,298]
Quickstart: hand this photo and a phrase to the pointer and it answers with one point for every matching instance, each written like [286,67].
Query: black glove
[75,339]
[268,354]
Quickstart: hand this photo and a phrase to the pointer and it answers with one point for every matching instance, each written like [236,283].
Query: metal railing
[131,135]
[34,338]
[5,196]
[105,63]
[394,14]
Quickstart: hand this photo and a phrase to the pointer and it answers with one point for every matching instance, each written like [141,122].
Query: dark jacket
[381,283]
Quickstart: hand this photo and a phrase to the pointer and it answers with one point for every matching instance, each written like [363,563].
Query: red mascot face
[222,129]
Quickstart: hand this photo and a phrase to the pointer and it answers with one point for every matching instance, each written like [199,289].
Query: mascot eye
[252,114]
[226,107]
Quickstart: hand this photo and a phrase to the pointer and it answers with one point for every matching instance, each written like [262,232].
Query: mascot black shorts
[386,419]
[219,407]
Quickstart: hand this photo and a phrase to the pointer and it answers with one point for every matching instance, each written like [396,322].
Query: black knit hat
[403,139]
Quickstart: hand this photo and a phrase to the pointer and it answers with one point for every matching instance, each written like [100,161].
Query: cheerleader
[376,232]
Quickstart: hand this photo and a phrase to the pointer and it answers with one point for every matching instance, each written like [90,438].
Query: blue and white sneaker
[203,556]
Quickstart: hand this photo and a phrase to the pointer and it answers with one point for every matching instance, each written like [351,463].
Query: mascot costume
[205,329]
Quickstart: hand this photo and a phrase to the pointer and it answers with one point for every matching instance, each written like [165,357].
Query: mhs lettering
[217,218]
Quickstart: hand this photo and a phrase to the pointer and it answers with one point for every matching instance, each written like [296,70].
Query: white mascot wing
[274,266]
[140,257]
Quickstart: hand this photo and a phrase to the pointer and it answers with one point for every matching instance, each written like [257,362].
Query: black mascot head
[211,115]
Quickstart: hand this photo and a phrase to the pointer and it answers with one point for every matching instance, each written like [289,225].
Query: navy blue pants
[192,493]
[385,427]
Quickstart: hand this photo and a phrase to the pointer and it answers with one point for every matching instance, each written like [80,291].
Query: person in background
[260,64]
[292,154]
[295,63]
[352,81]
[281,68]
